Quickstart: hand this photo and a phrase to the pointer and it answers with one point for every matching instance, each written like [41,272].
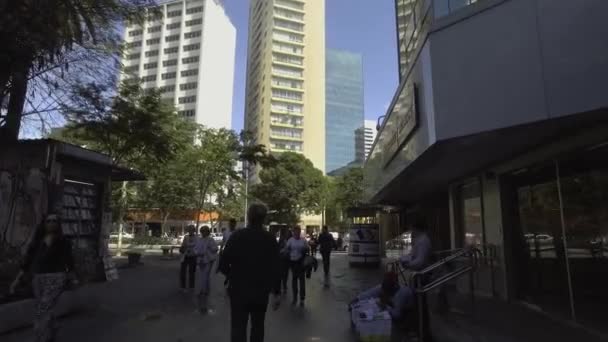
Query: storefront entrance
[559,235]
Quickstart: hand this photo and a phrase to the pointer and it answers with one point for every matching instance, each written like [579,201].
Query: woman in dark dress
[49,259]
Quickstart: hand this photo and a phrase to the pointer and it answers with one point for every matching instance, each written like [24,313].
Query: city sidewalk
[145,305]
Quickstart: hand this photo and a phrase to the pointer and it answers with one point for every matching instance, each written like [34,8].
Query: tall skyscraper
[285,101]
[343,107]
[365,137]
[187,49]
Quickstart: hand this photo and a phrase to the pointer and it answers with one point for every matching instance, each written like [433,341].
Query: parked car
[218,237]
[125,236]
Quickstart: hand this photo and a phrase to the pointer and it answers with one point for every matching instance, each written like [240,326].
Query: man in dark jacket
[327,244]
[250,261]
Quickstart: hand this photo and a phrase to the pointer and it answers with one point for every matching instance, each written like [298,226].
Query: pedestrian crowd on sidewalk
[256,265]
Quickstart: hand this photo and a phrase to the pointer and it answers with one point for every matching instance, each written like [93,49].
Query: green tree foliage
[350,188]
[134,127]
[36,36]
[290,188]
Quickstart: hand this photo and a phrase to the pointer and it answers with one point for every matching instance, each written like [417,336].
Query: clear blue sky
[362,26]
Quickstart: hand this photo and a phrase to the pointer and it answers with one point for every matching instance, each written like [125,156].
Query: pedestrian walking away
[314,244]
[188,264]
[49,259]
[206,251]
[284,236]
[251,262]
[297,248]
[327,244]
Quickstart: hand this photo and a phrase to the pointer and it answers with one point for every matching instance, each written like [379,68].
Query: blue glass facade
[344,112]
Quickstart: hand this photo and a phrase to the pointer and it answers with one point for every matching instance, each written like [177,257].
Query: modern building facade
[498,135]
[344,109]
[285,94]
[186,48]
[364,139]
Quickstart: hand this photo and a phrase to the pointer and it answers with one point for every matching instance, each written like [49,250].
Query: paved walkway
[144,305]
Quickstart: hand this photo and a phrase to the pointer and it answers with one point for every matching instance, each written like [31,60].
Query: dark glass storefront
[559,236]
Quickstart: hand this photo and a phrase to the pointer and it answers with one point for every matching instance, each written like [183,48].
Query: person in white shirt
[297,248]
[206,253]
[421,253]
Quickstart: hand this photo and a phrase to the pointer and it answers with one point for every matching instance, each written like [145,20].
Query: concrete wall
[500,64]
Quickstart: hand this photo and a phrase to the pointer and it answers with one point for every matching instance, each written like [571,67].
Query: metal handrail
[419,287]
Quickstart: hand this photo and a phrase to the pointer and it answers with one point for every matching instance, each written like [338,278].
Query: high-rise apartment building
[365,137]
[343,107]
[186,48]
[285,101]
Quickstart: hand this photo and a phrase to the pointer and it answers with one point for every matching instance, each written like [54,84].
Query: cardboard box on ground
[370,322]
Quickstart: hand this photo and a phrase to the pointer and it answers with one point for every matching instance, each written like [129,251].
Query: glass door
[538,243]
[584,188]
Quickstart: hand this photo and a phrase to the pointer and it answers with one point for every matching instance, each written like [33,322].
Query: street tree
[350,188]
[37,36]
[134,127]
[290,188]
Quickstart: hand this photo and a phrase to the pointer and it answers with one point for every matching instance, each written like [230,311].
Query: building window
[133,56]
[174,14]
[169,75]
[286,83]
[149,78]
[286,107]
[171,50]
[194,10]
[130,69]
[134,44]
[152,53]
[470,220]
[290,4]
[154,29]
[135,33]
[194,22]
[188,60]
[170,62]
[167,88]
[152,65]
[172,38]
[192,47]
[286,71]
[289,14]
[288,37]
[191,72]
[153,41]
[192,34]
[289,25]
[188,86]
[173,26]
[287,59]
[286,94]
[187,113]
[187,99]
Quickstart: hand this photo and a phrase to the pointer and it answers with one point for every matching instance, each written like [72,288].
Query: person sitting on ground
[391,296]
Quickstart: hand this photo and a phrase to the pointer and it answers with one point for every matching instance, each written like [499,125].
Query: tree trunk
[164,224]
[10,131]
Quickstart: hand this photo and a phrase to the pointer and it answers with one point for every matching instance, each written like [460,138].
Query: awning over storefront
[453,159]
